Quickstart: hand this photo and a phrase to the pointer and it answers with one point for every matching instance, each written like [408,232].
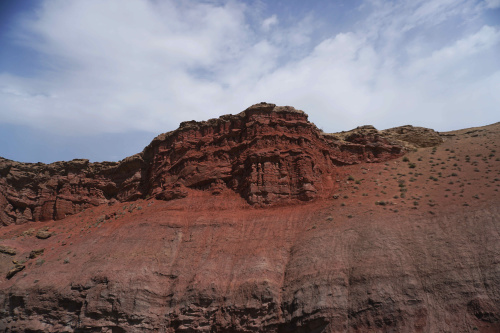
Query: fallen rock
[28,232]
[7,250]
[36,253]
[42,234]
[16,269]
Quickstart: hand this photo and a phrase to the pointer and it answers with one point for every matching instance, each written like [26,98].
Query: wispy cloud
[492,4]
[116,66]
[269,22]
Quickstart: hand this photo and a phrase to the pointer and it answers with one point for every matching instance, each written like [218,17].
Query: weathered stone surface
[418,137]
[267,154]
[7,250]
[35,253]
[40,192]
[408,245]
[42,234]
[13,271]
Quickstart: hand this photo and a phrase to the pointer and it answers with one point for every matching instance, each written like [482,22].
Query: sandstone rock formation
[312,237]
[268,154]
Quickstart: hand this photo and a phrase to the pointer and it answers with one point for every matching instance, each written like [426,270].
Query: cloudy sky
[100,79]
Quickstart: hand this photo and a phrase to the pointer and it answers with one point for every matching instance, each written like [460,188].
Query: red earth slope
[260,223]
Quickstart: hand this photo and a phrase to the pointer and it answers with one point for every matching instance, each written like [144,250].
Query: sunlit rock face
[267,154]
[258,222]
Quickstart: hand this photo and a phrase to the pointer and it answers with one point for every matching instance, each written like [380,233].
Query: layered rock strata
[408,245]
[267,153]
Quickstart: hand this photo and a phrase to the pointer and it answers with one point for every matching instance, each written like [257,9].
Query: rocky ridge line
[268,154]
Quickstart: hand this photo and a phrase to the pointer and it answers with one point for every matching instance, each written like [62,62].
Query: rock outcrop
[267,153]
[175,239]
[40,192]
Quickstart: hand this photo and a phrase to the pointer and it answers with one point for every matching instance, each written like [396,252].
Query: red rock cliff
[268,154]
[407,245]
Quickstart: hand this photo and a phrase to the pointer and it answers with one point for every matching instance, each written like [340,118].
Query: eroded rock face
[267,154]
[388,250]
[40,192]
[418,137]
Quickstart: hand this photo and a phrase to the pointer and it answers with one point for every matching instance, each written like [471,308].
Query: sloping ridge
[200,234]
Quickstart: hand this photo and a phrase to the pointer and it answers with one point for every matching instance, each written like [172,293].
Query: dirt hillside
[259,222]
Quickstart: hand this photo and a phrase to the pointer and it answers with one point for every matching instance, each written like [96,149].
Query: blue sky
[100,79]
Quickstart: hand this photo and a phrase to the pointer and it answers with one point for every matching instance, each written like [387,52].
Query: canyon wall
[259,222]
[267,154]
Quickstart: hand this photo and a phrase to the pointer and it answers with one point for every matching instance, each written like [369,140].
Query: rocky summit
[258,222]
[267,154]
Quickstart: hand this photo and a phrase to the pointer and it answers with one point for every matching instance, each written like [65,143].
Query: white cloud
[269,22]
[138,65]
[126,64]
[451,58]
[493,4]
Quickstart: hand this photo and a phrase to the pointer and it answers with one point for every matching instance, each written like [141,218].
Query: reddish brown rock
[35,253]
[267,154]
[407,245]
